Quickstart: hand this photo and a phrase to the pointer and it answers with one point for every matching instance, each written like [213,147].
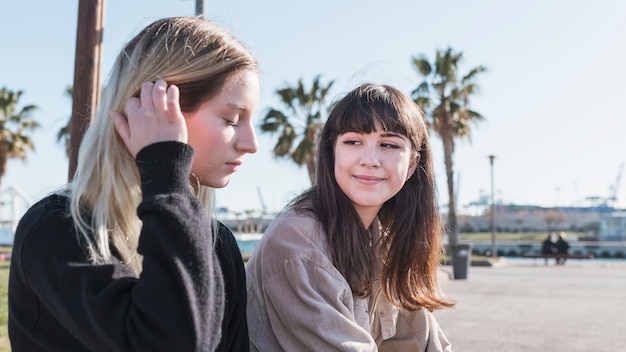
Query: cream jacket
[298,301]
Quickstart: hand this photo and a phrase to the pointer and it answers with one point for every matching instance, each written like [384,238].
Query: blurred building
[530,218]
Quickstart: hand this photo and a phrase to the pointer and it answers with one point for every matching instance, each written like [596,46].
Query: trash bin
[461,260]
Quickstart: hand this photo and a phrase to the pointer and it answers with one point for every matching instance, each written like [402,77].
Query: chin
[219,183]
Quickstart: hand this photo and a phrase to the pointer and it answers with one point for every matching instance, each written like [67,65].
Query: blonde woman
[126,257]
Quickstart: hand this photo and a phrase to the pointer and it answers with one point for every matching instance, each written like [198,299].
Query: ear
[414,164]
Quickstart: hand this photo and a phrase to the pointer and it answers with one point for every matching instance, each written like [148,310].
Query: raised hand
[153,117]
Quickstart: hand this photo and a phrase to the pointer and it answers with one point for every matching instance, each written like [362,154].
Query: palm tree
[63,135]
[444,97]
[14,123]
[301,124]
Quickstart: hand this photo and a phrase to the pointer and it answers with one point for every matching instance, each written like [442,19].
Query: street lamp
[200,8]
[494,251]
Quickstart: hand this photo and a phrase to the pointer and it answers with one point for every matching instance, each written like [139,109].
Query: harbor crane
[611,198]
[614,188]
[263,207]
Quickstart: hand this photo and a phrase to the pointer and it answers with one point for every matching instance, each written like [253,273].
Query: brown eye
[390,146]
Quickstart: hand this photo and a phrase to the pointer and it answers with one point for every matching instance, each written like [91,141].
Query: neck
[367,215]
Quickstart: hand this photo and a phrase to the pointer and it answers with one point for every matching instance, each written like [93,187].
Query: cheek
[405,169]
[196,141]
[343,157]
[202,133]
[341,176]
[337,170]
[194,130]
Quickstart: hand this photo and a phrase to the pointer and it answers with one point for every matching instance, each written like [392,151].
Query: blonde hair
[196,55]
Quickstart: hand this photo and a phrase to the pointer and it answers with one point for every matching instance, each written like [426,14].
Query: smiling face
[371,168]
[221,130]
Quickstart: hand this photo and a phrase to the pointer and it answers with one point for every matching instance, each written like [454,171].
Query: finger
[159,98]
[146,94]
[175,113]
[173,103]
[132,106]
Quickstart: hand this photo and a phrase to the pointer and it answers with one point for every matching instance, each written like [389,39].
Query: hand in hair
[153,117]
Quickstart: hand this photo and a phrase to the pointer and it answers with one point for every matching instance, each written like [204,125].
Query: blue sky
[553,96]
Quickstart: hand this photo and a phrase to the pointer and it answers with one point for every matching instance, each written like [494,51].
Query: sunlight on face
[372,168]
[221,131]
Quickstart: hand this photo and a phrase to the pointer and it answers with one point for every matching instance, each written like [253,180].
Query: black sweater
[234,326]
[60,301]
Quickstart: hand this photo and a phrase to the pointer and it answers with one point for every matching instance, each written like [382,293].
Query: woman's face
[371,168]
[221,130]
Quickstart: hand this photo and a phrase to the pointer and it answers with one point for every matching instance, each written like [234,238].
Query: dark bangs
[363,108]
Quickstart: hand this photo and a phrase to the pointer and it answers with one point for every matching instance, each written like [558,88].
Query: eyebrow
[391,134]
[236,106]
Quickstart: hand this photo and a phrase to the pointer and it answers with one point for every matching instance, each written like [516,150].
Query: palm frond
[422,65]
[472,73]
[284,143]
[14,123]
[303,151]
[307,113]
[274,120]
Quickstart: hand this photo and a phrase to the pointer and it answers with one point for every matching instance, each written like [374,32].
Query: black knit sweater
[234,326]
[60,301]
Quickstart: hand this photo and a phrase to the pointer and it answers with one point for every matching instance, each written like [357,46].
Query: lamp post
[494,250]
[200,8]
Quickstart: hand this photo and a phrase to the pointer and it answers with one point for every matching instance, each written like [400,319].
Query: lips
[234,165]
[369,180]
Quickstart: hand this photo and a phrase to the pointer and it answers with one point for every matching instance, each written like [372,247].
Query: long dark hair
[411,227]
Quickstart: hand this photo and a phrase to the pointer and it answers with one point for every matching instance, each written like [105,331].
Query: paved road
[521,306]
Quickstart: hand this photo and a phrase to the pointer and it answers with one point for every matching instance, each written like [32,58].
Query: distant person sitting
[562,248]
[549,247]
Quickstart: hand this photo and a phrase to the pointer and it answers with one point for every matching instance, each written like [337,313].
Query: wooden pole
[86,73]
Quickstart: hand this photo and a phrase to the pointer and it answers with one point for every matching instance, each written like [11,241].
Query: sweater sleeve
[175,304]
[306,308]
[297,300]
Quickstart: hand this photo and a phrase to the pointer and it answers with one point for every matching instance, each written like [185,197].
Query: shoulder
[45,234]
[295,228]
[54,204]
[49,213]
[225,235]
[297,220]
[292,237]
[226,246]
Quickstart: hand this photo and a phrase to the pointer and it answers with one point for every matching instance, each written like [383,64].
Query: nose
[370,158]
[247,142]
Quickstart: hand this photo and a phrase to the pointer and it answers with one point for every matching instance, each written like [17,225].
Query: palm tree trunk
[448,149]
[3,157]
[452,225]
[311,135]
[459,265]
